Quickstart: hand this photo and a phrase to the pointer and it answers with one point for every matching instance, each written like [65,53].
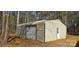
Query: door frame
[35,30]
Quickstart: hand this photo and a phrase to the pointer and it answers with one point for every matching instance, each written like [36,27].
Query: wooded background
[9,20]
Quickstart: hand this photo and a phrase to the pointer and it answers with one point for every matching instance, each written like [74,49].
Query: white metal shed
[43,30]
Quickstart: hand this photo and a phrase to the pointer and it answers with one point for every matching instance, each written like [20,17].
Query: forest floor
[69,42]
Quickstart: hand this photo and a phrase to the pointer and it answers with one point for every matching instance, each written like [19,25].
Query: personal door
[58,33]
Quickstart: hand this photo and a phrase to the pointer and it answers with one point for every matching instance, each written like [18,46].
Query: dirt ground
[69,42]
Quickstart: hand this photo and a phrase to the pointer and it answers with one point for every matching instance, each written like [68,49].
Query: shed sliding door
[31,32]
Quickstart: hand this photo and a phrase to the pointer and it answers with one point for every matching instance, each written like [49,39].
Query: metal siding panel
[50,31]
[40,35]
[40,32]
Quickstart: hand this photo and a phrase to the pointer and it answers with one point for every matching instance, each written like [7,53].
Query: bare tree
[5,30]
[3,23]
[18,18]
[66,13]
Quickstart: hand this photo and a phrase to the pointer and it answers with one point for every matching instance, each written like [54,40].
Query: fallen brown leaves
[19,42]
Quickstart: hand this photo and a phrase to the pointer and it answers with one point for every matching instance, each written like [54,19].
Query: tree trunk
[5,36]
[27,14]
[18,18]
[3,28]
[17,28]
[3,24]
[65,17]
[25,17]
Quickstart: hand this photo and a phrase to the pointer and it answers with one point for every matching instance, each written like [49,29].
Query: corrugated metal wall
[36,32]
[41,32]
